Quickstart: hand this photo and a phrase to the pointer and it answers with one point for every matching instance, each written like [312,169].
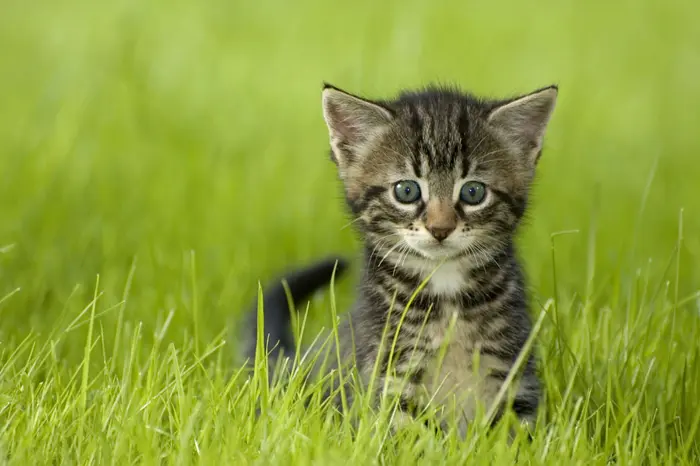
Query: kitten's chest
[455,375]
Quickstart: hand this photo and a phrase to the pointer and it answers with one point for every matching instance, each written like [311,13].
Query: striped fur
[474,307]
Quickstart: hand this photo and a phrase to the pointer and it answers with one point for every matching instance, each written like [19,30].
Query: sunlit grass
[158,159]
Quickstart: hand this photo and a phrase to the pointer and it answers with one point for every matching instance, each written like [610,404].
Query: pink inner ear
[341,125]
[351,119]
[524,121]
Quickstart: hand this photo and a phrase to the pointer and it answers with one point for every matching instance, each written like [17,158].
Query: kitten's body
[438,182]
[465,308]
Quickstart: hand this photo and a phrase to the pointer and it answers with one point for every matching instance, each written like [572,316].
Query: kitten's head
[437,173]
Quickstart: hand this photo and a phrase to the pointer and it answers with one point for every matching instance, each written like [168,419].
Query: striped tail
[278,334]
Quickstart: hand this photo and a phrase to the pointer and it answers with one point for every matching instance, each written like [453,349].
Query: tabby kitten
[437,181]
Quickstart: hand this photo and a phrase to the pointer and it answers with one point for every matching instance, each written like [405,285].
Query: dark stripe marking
[524,406]
[515,204]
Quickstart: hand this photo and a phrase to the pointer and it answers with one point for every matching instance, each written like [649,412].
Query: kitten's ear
[523,121]
[352,122]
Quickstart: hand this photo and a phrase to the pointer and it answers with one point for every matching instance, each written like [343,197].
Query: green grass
[159,158]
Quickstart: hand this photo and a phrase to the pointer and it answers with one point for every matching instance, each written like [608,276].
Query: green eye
[472,193]
[407,191]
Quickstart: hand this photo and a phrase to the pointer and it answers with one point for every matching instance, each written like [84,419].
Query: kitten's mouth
[429,248]
[436,251]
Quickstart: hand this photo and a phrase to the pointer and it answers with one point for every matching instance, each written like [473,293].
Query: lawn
[159,158]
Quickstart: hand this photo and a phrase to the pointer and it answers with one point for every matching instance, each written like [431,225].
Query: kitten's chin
[436,252]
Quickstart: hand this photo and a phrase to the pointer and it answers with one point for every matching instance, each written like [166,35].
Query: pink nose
[440,233]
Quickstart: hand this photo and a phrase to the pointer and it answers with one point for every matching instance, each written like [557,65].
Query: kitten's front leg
[404,398]
[524,405]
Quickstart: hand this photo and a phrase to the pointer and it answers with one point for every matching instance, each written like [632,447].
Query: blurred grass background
[151,129]
[185,140]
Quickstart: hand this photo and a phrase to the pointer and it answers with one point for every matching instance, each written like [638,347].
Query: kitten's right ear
[523,121]
[352,123]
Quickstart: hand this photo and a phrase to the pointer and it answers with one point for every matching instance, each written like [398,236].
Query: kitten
[437,181]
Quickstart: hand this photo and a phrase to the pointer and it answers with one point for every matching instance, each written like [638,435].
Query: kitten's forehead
[437,132]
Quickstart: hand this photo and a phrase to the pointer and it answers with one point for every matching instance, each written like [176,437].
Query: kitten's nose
[441,219]
[441,232]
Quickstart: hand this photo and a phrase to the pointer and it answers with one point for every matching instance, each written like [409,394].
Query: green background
[184,142]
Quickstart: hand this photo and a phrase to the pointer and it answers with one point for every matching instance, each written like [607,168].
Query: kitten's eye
[472,193]
[407,191]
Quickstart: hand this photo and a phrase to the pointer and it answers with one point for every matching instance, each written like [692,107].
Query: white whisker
[379,244]
[389,252]
[401,249]
[350,223]
[476,147]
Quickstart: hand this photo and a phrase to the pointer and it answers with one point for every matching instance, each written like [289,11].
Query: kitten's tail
[277,326]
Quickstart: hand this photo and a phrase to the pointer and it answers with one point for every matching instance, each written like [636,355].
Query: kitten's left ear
[523,121]
[352,122]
